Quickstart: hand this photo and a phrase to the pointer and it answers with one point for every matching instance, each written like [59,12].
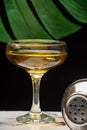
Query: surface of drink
[36,61]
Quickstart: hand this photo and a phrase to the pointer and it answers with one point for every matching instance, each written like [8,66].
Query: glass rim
[42,41]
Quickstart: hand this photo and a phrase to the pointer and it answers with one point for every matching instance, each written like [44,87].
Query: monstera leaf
[28,19]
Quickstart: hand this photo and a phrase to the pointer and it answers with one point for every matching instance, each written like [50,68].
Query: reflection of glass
[36,57]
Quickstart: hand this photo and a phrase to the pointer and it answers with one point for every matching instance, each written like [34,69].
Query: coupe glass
[36,56]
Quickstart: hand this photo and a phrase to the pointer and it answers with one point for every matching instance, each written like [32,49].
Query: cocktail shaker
[74,105]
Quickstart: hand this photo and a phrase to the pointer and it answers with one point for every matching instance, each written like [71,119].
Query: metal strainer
[74,105]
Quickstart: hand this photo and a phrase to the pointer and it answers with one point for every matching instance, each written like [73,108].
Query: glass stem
[35,101]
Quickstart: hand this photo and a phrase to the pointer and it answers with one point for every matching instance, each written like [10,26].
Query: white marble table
[8,122]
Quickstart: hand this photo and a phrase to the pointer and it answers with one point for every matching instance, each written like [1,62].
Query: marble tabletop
[8,122]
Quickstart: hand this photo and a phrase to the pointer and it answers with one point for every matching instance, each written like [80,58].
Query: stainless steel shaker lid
[74,105]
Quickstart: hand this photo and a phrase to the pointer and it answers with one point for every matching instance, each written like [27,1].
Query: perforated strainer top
[76,109]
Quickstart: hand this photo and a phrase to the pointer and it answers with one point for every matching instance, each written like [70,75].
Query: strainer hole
[75,118]
[70,112]
[78,109]
[75,105]
[75,113]
[75,99]
[82,113]
[82,105]
[82,119]
[70,105]
[82,100]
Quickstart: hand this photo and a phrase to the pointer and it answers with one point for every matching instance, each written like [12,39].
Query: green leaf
[77,8]
[54,21]
[44,20]
[22,21]
[4,36]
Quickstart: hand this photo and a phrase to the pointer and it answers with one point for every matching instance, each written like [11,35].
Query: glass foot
[40,118]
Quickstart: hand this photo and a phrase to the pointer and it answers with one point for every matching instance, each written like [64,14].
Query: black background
[16,85]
